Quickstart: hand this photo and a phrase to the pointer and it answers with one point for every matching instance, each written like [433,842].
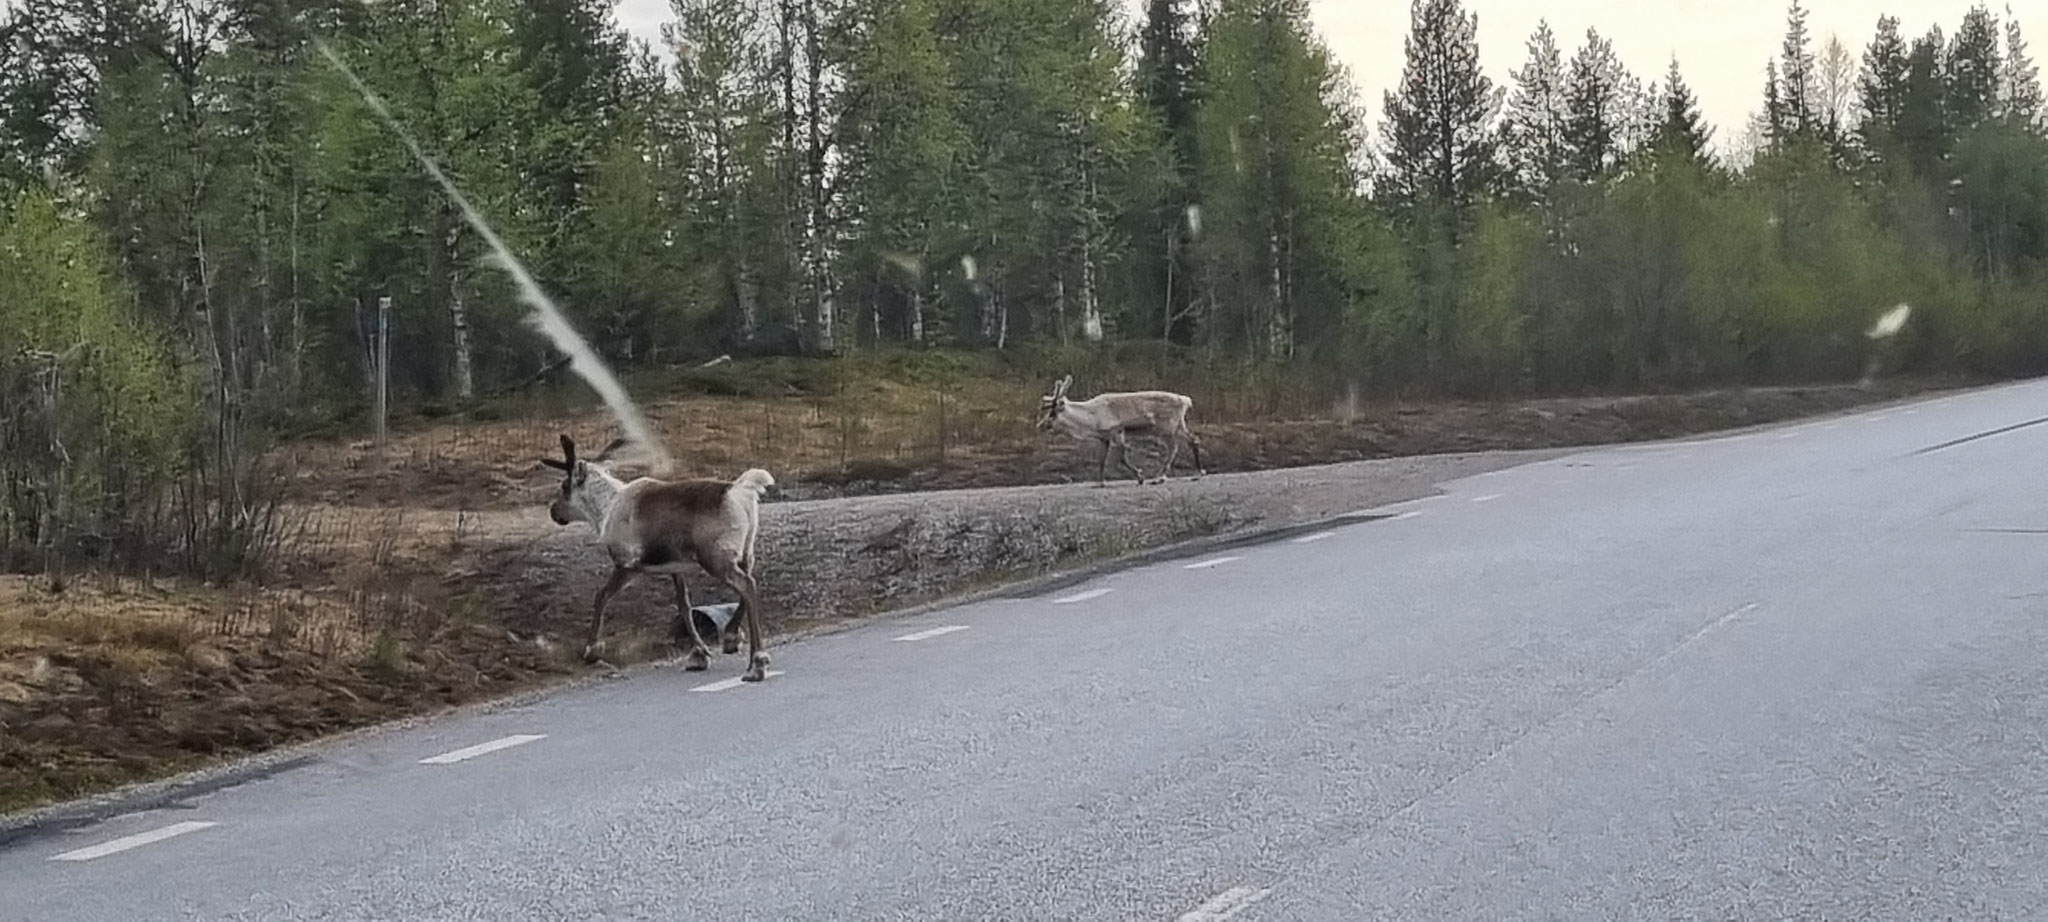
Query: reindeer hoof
[593,651]
[732,646]
[698,661]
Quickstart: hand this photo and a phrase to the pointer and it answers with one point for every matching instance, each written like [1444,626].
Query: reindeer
[654,527]
[1110,418]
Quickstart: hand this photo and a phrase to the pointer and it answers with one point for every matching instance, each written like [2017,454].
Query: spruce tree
[1441,146]
[1534,130]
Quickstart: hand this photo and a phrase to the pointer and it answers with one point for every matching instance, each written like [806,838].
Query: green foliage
[124,401]
[92,409]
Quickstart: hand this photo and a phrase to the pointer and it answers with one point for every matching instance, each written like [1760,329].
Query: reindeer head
[575,476]
[1050,405]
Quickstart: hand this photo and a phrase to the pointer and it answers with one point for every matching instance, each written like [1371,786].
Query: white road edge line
[1211,562]
[1225,905]
[135,841]
[1405,515]
[732,683]
[1490,497]
[471,752]
[1083,596]
[934,632]
[1311,539]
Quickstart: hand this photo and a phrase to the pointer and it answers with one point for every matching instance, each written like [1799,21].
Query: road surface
[1799,672]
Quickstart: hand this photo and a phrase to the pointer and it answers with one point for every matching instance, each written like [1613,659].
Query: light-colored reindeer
[656,527]
[1111,418]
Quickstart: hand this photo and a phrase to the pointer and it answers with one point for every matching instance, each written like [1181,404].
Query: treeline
[996,173]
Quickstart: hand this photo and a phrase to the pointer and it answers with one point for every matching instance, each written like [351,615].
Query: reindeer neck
[600,495]
[1088,415]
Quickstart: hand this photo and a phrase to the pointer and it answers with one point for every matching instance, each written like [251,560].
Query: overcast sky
[1721,45]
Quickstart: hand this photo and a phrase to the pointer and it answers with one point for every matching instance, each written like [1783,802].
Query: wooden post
[383,367]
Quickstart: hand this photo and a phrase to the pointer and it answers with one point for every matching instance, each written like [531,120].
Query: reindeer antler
[568,462]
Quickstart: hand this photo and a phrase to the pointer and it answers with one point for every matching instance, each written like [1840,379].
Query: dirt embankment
[416,590]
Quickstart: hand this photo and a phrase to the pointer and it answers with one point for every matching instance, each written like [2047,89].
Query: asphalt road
[1797,673]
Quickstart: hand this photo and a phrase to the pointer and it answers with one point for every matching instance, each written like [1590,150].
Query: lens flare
[1891,323]
[545,317]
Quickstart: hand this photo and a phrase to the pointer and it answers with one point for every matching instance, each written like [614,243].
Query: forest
[199,216]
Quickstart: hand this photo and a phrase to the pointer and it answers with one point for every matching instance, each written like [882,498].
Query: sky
[1721,45]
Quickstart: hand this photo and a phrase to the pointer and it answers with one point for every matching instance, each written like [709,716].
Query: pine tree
[1168,58]
[904,151]
[1168,74]
[1682,132]
[1798,76]
[2020,84]
[1278,180]
[574,59]
[1441,146]
[726,97]
[1534,130]
[1601,97]
[1925,124]
[1881,88]
[1776,118]
[1975,66]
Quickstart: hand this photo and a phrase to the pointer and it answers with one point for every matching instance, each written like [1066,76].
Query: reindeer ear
[606,454]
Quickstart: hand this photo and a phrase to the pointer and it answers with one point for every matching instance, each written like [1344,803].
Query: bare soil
[418,589]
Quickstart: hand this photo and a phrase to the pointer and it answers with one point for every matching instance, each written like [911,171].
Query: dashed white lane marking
[1311,539]
[1083,596]
[732,683]
[1211,562]
[934,632]
[1490,497]
[471,752]
[135,841]
[1225,905]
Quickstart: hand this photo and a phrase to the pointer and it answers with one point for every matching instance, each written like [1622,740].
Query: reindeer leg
[1196,445]
[729,636]
[750,608]
[1173,453]
[700,655]
[1123,456]
[595,648]
[1102,469]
